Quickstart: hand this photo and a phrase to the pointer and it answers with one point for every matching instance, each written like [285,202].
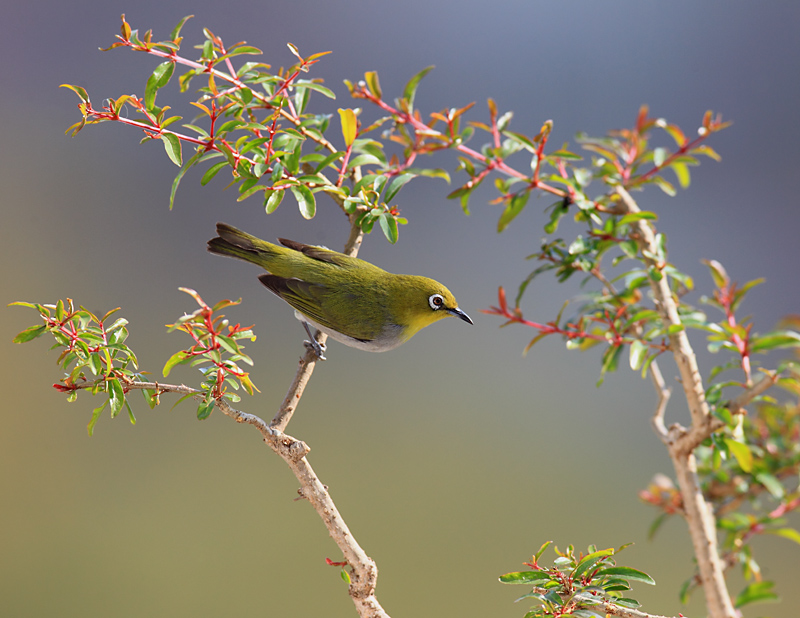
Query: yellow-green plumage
[351,300]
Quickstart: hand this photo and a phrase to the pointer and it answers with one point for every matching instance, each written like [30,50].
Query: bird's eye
[436,301]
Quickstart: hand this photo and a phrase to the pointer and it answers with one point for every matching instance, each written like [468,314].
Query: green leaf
[81,92]
[300,85]
[328,160]
[626,602]
[244,193]
[374,86]
[95,415]
[636,216]
[29,333]
[590,560]
[566,154]
[775,340]
[525,577]
[211,172]
[659,156]
[682,172]
[611,358]
[176,32]
[637,354]
[628,573]
[178,178]
[173,147]
[158,79]
[718,273]
[305,200]
[116,396]
[395,185]
[178,358]
[273,200]
[742,453]
[388,226]
[244,49]
[410,90]
[666,186]
[707,151]
[364,159]
[205,408]
[771,484]
[184,398]
[757,592]
[228,344]
[787,533]
[515,206]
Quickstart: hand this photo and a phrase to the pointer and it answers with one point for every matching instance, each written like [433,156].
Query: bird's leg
[313,344]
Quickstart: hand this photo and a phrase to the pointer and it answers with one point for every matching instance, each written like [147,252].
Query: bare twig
[301,378]
[663,393]
[610,609]
[698,514]
[364,572]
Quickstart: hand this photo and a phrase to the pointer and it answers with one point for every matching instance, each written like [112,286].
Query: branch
[663,393]
[609,608]
[364,573]
[668,308]
[699,517]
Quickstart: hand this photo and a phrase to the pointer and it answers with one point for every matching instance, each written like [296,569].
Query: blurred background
[452,458]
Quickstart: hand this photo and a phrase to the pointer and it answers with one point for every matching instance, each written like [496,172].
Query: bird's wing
[308,299]
[317,253]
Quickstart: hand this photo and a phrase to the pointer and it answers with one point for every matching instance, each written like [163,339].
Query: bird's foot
[317,348]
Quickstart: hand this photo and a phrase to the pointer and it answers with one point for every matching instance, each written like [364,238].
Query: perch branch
[364,572]
[699,517]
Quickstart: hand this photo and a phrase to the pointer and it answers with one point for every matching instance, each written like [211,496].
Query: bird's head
[422,301]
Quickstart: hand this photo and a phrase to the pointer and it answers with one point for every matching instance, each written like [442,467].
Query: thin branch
[301,378]
[609,608]
[679,341]
[699,517]
[364,572]
[663,392]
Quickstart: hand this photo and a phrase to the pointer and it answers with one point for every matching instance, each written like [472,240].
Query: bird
[351,300]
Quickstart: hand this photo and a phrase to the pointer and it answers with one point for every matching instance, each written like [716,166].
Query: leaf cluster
[216,355]
[577,584]
[257,125]
[93,354]
[97,360]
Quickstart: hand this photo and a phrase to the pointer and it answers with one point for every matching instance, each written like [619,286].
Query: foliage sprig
[97,360]
[586,585]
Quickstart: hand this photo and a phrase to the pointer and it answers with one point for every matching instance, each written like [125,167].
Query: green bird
[352,301]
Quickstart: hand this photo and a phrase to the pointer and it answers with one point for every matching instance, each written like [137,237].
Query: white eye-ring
[436,301]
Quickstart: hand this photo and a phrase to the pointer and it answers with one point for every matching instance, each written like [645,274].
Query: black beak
[460,314]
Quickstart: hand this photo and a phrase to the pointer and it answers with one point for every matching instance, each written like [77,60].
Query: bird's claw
[317,348]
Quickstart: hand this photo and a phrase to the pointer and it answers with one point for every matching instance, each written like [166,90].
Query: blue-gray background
[452,458]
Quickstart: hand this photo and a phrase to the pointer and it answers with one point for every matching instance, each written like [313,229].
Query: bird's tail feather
[233,242]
